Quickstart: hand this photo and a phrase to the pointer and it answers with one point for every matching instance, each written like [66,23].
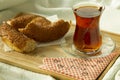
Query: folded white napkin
[112,73]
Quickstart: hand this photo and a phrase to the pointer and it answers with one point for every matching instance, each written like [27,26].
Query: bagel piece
[16,40]
[21,20]
[39,28]
[42,30]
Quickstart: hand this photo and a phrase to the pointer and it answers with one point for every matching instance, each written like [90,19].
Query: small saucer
[107,47]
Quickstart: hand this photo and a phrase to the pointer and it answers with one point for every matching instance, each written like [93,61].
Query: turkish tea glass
[87,37]
[87,40]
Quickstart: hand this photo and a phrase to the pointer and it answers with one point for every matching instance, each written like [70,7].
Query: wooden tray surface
[33,60]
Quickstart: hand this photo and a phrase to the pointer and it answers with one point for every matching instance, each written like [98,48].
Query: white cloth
[110,20]
[63,9]
[8,72]
[9,3]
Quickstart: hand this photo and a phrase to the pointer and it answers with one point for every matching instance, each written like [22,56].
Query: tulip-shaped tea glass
[87,38]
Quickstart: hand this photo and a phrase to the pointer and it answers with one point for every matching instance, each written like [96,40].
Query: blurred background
[50,7]
[61,8]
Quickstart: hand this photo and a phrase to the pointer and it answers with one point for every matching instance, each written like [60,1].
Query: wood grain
[33,60]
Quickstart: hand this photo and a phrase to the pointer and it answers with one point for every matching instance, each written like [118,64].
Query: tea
[87,36]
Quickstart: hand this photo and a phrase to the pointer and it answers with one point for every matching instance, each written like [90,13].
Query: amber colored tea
[87,36]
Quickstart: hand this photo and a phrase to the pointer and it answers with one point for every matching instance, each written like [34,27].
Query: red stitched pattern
[78,68]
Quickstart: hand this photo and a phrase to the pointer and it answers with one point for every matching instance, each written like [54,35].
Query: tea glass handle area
[100,2]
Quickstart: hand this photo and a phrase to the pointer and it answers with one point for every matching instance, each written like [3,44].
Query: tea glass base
[107,47]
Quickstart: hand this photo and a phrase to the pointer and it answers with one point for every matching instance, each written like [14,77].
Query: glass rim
[88,3]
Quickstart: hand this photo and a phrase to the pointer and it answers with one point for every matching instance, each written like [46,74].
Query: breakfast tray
[33,60]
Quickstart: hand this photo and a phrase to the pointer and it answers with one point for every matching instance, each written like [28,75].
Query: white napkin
[111,74]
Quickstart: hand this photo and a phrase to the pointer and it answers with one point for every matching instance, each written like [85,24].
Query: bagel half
[42,30]
[39,28]
[16,40]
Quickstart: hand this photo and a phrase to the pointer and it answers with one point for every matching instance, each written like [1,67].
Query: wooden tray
[33,60]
